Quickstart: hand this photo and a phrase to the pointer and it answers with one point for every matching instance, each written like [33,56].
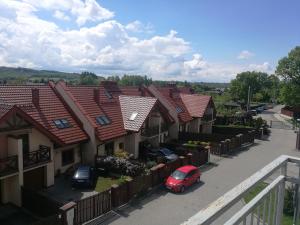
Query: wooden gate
[92,207]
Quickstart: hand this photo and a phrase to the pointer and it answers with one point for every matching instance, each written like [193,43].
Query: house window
[62,123]
[67,157]
[121,146]
[108,95]
[133,116]
[179,109]
[103,120]
[109,148]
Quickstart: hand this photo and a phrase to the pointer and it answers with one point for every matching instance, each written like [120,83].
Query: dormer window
[179,109]
[133,116]
[103,120]
[108,95]
[62,123]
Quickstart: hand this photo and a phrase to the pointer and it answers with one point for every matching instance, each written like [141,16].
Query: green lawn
[104,183]
[286,219]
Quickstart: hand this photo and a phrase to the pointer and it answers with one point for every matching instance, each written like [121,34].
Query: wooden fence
[91,207]
[227,145]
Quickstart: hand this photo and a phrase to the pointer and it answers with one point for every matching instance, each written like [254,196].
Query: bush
[121,154]
[121,166]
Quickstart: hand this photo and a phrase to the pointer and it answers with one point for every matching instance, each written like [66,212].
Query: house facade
[116,118]
[192,112]
[39,137]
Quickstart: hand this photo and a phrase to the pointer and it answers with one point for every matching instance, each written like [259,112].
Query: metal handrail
[216,209]
[33,158]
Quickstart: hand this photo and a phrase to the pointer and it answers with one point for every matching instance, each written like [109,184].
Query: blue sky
[197,40]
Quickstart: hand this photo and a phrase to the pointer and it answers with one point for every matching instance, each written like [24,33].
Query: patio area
[63,192]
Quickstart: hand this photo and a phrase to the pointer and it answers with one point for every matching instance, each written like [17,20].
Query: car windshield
[81,174]
[166,151]
[178,175]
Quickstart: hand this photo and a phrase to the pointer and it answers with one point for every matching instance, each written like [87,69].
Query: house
[192,112]
[39,137]
[116,118]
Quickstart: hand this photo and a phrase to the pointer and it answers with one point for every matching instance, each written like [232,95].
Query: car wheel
[182,189]
[198,180]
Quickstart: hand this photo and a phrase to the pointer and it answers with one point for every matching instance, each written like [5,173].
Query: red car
[183,177]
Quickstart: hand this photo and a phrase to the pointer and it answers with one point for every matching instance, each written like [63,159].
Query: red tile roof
[19,99]
[196,104]
[172,95]
[93,101]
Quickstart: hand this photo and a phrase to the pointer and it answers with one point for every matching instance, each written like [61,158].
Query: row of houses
[46,129]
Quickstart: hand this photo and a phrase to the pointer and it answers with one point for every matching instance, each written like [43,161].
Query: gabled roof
[135,110]
[196,104]
[172,95]
[18,99]
[103,100]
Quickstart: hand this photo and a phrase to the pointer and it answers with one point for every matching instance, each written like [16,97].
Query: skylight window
[103,120]
[179,109]
[62,123]
[108,95]
[133,116]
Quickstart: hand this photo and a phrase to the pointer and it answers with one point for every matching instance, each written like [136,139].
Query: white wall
[58,158]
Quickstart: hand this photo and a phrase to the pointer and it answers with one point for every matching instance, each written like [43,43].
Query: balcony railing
[35,158]
[8,165]
[266,207]
[150,131]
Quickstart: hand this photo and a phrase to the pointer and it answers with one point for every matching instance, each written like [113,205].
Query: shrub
[121,154]
[121,166]
[150,164]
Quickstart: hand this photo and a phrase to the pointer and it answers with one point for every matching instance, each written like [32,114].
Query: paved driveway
[163,208]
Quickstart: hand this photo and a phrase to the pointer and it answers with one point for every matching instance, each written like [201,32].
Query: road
[163,208]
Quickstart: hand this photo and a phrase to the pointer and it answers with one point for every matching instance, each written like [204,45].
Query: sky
[195,40]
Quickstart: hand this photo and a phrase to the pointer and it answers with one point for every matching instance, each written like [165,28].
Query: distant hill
[22,75]
[19,73]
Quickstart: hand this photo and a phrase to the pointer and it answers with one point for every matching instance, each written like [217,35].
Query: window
[178,109]
[102,120]
[108,95]
[109,148]
[67,157]
[62,123]
[121,145]
[133,116]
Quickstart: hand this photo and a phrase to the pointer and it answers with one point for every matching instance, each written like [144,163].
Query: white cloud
[107,47]
[139,27]
[265,67]
[61,15]
[245,55]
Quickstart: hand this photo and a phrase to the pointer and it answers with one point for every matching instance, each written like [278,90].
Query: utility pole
[248,102]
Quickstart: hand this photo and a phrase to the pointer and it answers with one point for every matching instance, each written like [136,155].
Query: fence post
[67,213]
[114,196]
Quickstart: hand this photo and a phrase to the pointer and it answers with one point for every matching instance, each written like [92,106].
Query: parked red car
[183,177]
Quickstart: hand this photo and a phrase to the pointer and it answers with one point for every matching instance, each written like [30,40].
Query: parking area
[63,192]
[12,215]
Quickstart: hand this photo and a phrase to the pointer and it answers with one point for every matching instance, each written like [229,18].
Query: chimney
[97,95]
[35,96]
[142,90]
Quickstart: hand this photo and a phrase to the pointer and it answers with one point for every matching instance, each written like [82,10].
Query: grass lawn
[286,219]
[104,183]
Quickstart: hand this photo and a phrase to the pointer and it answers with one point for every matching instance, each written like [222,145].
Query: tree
[88,78]
[289,69]
[258,81]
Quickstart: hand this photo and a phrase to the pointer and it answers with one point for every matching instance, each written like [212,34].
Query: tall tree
[240,85]
[289,69]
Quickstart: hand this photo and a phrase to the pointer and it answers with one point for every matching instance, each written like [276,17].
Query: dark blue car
[83,177]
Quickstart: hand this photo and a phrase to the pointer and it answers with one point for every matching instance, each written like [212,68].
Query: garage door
[34,179]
